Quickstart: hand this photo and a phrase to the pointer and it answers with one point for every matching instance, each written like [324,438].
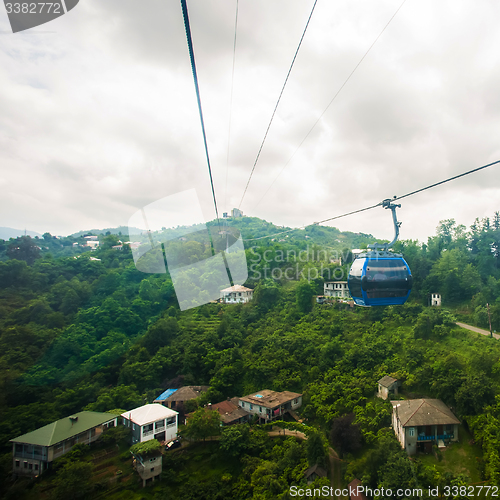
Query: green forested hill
[81,334]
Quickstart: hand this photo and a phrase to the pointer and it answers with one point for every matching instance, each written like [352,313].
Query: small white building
[235,212]
[236,294]
[337,289]
[149,467]
[387,385]
[435,299]
[93,244]
[152,421]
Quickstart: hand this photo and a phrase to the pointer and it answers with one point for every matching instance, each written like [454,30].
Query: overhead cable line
[277,103]
[331,102]
[195,76]
[380,204]
[231,103]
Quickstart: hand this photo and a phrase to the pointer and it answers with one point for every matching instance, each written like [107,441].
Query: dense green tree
[304,294]
[24,248]
[345,435]
[316,450]
[203,423]
[234,440]
[73,481]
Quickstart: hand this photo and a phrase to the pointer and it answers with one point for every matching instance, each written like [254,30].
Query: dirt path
[477,330]
[335,472]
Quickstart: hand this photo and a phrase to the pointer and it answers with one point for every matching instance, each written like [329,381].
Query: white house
[236,294]
[435,299]
[92,242]
[337,289]
[152,421]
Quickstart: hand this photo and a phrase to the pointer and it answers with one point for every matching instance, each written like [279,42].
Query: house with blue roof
[175,398]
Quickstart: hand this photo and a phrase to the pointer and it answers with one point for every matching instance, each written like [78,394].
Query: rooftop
[229,411]
[387,381]
[148,413]
[270,399]
[165,395]
[187,392]
[237,288]
[64,428]
[418,412]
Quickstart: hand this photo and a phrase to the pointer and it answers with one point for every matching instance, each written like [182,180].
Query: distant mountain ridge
[112,230]
[9,232]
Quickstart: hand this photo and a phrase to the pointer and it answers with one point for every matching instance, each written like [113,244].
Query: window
[25,464]
[152,469]
[170,420]
[260,409]
[411,431]
[19,448]
[243,404]
[133,427]
[30,466]
[18,464]
[36,466]
[147,428]
[160,423]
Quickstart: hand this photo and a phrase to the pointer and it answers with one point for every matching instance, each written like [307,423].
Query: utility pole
[489,319]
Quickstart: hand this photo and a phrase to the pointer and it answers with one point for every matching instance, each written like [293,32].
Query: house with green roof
[33,452]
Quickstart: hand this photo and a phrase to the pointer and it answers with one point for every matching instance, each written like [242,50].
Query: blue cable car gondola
[379,277]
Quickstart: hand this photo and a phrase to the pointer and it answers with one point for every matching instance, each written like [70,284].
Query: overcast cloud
[99,117]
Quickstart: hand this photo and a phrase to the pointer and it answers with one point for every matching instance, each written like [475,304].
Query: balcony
[147,433]
[433,437]
[32,456]
[159,429]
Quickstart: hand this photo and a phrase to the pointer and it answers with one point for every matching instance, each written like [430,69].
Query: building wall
[141,433]
[149,468]
[383,392]
[337,289]
[237,297]
[270,413]
[435,299]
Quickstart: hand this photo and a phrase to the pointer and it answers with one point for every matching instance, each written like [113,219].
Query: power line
[277,103]
[331,102]
[195,76]
[380,204]
[447,180]
[231,102]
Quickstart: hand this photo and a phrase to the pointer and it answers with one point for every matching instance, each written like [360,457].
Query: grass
[458,458]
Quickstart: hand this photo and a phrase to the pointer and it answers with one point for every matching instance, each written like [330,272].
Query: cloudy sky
[98,114]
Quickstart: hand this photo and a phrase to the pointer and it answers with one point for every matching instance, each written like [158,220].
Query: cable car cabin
[379,279]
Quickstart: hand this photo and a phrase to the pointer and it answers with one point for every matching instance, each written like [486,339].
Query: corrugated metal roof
[165,394]
[387,381]
[64,428]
